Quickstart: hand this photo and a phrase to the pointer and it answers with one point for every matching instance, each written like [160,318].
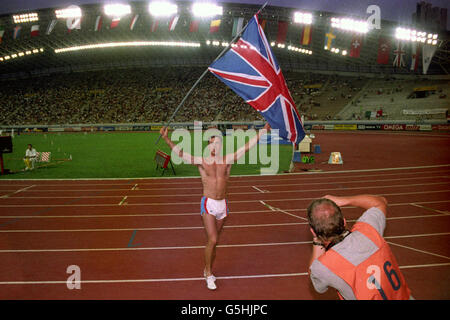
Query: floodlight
[117,10]
[25,17]
[348,24]
[162,8]
[206,9]
[302,17]
[70,12]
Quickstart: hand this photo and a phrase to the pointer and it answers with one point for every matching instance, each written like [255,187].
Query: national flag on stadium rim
[98,23]
[329,39]
[306,35]
[16,32]
[384,49]
[250,69]
[34,30]
[193,26]
[73,24]
[263,24]
[399,53]
[114,23]
[51,26]
[154,25]
[282,31]
[133,21]
[238,24]
[2,31]
[214,26]
[415,53]
[355,46]
[427,55]
[173,22]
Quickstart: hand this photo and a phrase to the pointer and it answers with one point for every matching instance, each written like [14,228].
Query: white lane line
[191,247]
[425,265]
[418,250]
[237,176]
[256,188]
[239,193]
[280,210]
[435,210]
[196,213]
[123,200]
[234,178]
[154,248]
[256,276]
[16,192]
[155,229]
[158,280]
[266,205]
[134,187]
[231,186]
[196,203]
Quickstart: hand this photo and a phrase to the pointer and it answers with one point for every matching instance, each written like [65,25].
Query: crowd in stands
[152,95]
[119,96]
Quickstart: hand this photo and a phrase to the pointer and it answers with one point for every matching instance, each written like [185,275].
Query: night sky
[394,10]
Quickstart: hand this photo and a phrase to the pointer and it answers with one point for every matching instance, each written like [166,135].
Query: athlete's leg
[209,222]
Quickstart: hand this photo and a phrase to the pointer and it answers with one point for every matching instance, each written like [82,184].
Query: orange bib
[376,278]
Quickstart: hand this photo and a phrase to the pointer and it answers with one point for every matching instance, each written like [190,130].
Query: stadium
[90,85]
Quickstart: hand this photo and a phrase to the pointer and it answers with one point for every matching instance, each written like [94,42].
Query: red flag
[415,55]
[35,30]
[282,31]
[355,46]
[384,48]
[193,27]
[114,23]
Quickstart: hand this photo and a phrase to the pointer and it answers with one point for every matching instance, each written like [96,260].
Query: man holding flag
[214,171]
[250,69]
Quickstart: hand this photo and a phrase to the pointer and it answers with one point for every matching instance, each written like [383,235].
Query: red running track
[143,238]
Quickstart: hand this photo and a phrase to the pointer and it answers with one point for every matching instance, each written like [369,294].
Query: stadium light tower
[117,10]
[205,9]
[162,8]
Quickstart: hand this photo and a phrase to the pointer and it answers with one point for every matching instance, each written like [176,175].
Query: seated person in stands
[30,157]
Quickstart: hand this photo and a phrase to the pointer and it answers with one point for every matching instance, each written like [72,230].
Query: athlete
[358,263]
[214,171]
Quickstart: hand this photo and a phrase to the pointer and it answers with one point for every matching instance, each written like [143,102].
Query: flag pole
[206,71]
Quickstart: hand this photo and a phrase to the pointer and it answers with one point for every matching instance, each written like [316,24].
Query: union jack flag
[250,69]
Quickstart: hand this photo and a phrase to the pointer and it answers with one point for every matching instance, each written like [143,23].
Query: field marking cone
[335,158]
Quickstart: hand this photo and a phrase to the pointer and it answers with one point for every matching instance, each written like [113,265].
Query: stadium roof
[49,61]
[390,10]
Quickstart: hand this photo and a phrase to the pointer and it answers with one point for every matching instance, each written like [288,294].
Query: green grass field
[109,155]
